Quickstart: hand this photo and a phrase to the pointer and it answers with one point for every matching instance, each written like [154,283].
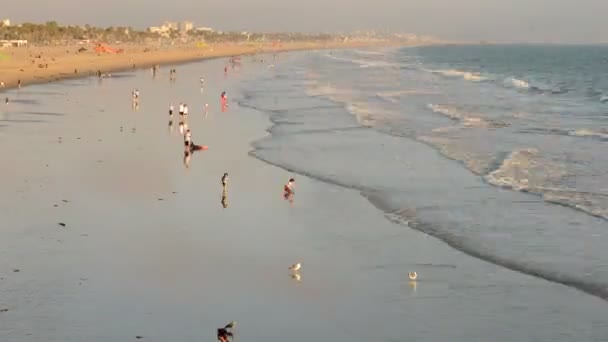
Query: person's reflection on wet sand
[187,157]
[224,200]
[170,126]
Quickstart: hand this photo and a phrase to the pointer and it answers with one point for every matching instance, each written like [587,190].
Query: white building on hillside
[186,26]
[204,29]
[5,22]
[170,25]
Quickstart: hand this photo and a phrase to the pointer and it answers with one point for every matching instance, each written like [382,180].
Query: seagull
[413,275]
[295,267]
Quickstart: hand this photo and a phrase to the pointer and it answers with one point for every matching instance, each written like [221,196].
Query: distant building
[204,29]
[5,22]
[186,26]
[13,43]
[170,25]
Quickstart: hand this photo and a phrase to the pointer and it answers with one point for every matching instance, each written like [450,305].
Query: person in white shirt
[181,109]
[171,111]
[185,110]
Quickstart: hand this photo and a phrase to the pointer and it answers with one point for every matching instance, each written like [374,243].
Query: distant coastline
[39,53]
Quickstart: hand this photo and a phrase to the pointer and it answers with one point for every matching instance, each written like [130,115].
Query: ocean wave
[516,83]
[601,134]
[362,113]
[477,164]
[370,53]
[468,120]
[448,111]
[466,75]
[604,99]
[321,90]
[525,170]
[592,203]
[589,133]
[408,217]
[364,63]
[394,96]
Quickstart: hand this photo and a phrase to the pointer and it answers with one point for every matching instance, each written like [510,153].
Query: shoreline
[56,63]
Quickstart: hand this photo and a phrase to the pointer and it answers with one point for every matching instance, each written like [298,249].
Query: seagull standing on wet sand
[413,275]
[295,267]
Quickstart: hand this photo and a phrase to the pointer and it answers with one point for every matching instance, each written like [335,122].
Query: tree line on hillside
[53,33]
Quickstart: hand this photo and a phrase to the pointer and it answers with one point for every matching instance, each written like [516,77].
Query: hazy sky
[504,20]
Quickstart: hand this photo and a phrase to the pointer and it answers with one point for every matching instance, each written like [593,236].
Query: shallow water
[435,151]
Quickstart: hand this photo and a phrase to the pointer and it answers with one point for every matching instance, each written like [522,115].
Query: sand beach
[39,64]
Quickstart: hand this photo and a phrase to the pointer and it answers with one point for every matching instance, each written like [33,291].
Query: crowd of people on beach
[185,131]
[183,111]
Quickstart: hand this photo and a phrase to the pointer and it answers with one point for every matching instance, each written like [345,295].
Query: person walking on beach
[188,138]
[185,111]
[171,110]
[181,109]
[288,190]
[224,101]
[225,180]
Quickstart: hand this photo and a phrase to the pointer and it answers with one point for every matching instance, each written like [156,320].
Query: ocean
[498,151]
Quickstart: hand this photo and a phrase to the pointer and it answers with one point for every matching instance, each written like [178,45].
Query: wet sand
[148,249]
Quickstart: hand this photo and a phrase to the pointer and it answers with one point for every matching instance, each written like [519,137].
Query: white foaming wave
[368,115]
[322,90]
[400,93]
[340,59]
[517,83]
[466,75]
[375,64]
[524,170]
[468,120]
[593,203]
[362,112]
[448,111]
[583,132]
[394,96]
[476,163]
[370,53]
[363,63]
[604,99]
